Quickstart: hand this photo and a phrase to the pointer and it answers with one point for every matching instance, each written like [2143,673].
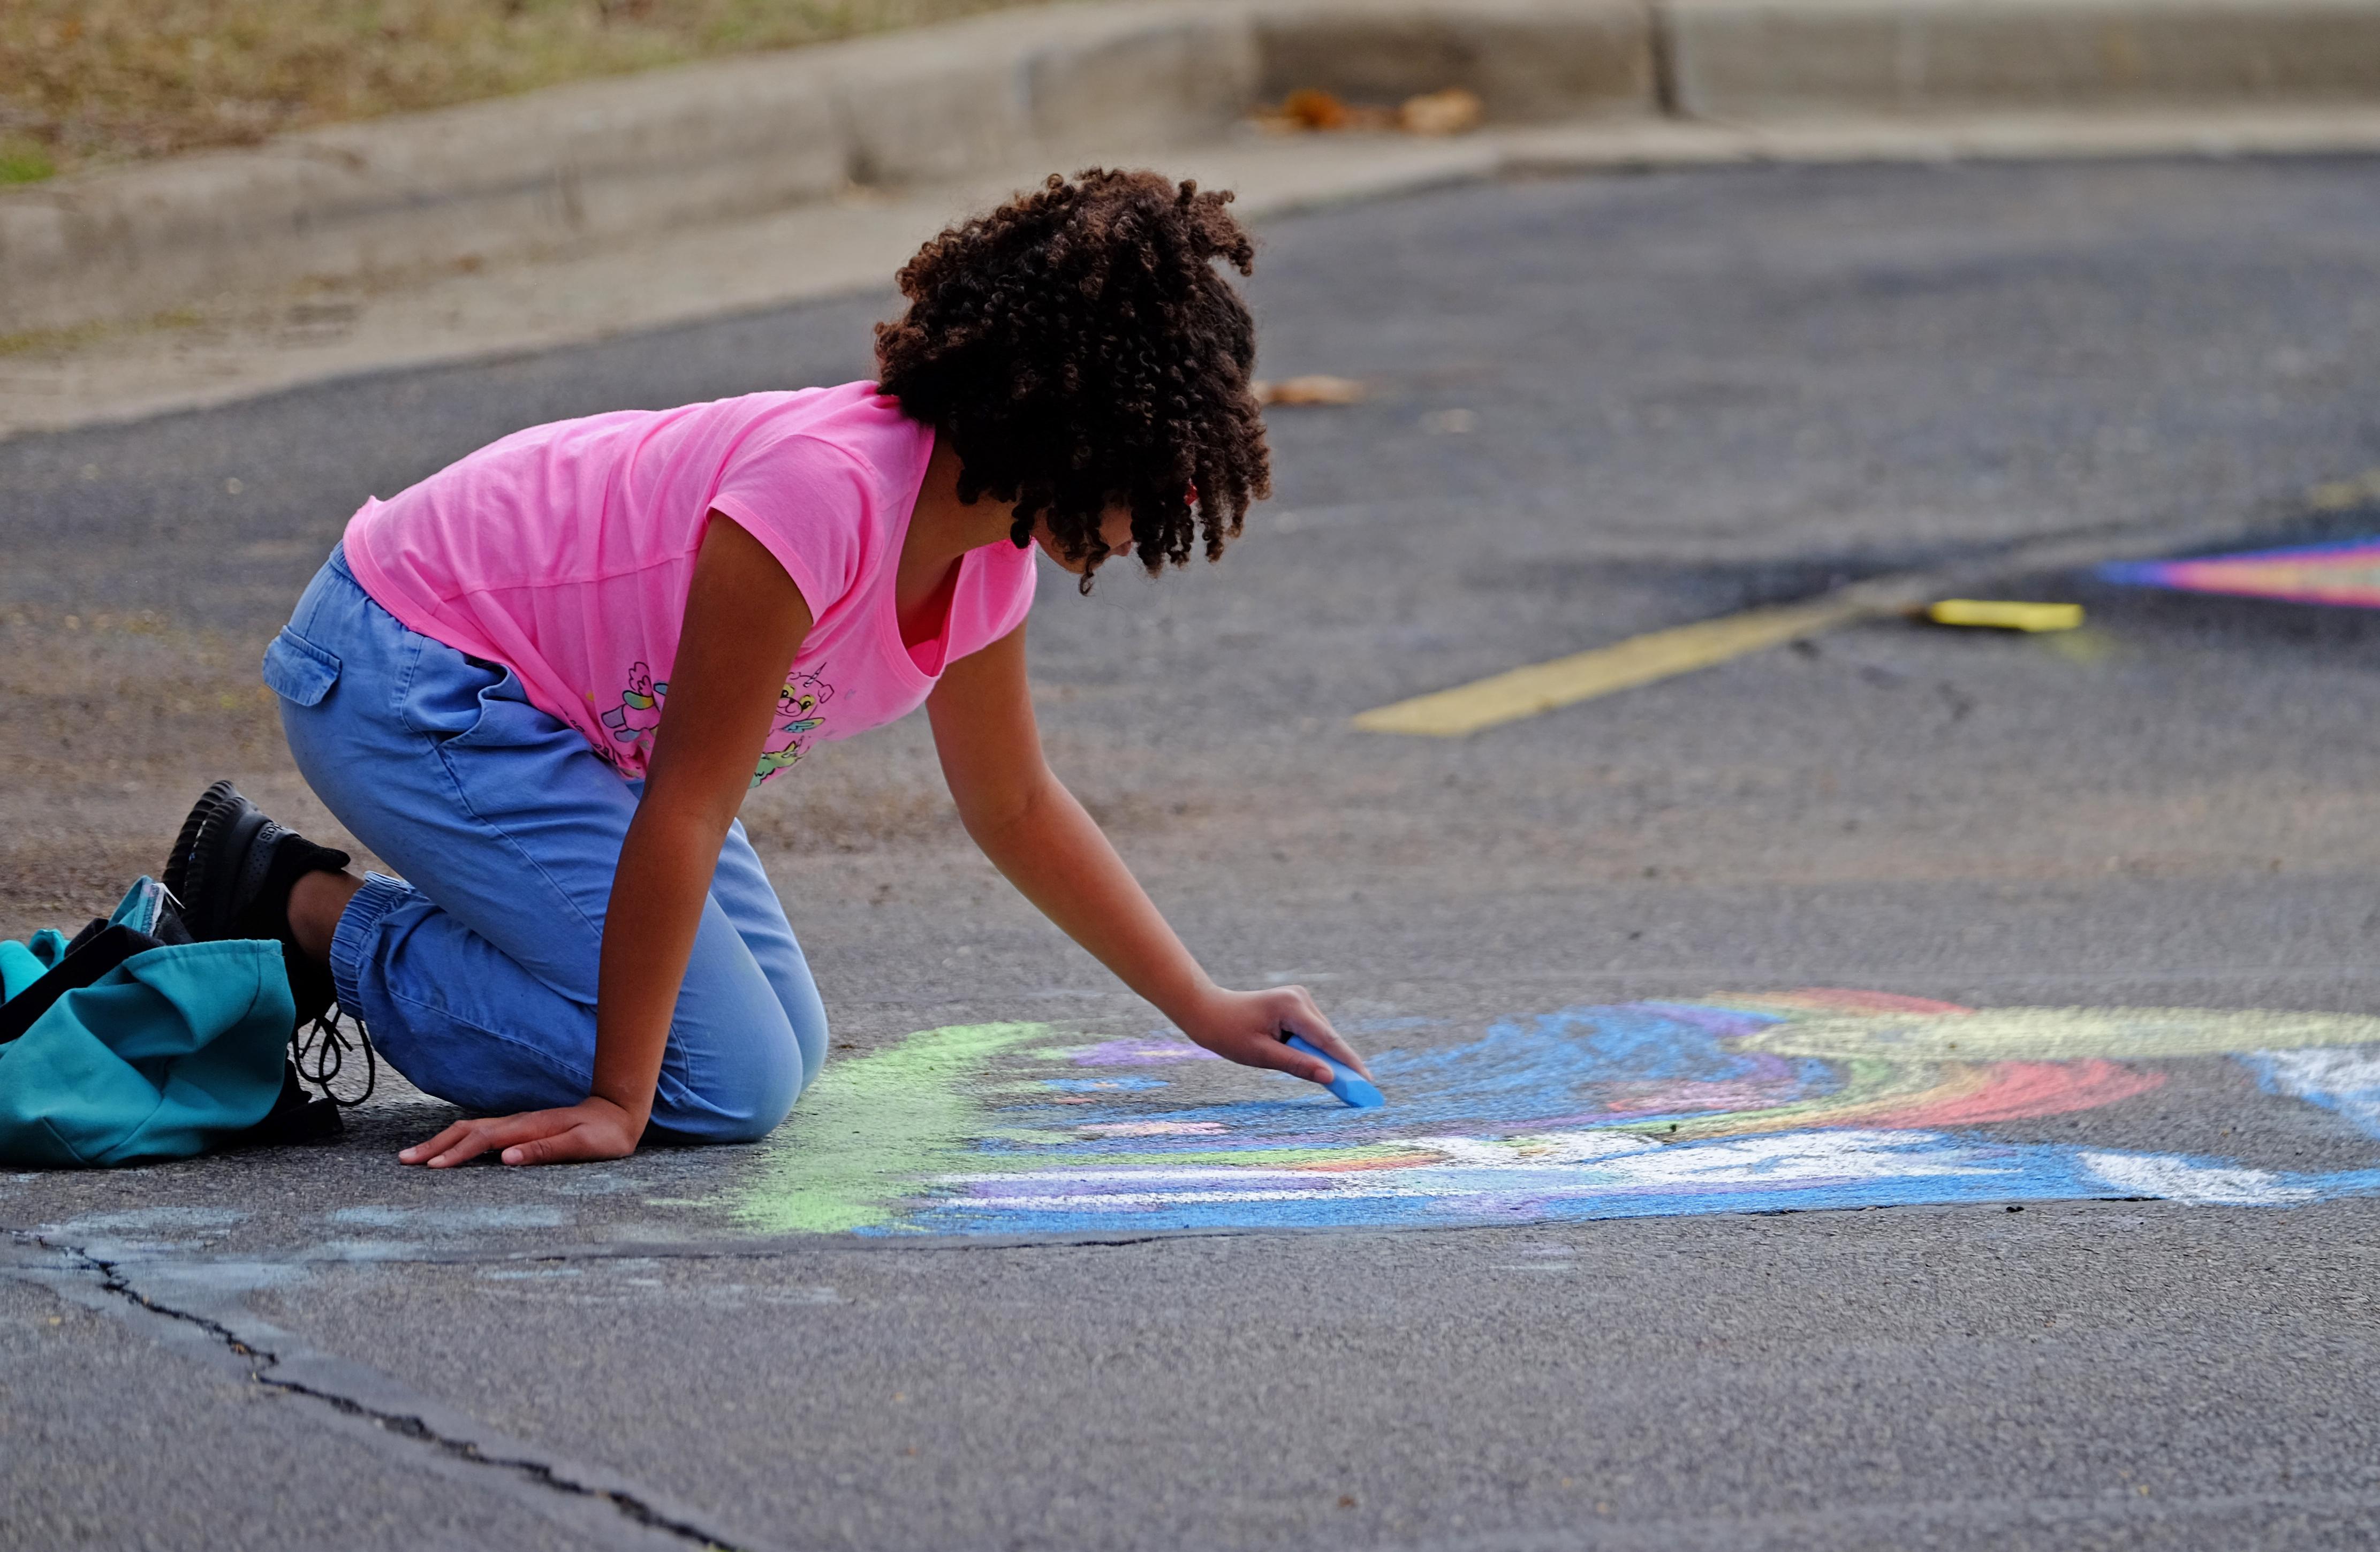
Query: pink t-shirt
[565,553]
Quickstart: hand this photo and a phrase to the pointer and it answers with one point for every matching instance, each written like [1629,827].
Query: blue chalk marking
[1556,1117]
[1350,1086]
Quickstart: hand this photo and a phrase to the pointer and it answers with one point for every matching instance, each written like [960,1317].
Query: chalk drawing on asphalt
[2347,575]
[1799,1100]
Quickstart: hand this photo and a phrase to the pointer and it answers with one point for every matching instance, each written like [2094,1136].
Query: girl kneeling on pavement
[539,683]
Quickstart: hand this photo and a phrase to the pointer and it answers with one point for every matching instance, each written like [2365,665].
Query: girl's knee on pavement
[741,1065]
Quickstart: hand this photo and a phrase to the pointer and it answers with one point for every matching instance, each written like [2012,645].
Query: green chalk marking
[872,1130]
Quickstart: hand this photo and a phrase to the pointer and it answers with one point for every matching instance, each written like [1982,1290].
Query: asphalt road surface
[1649,1247]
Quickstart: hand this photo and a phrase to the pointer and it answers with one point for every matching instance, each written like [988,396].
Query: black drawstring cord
[321,1052]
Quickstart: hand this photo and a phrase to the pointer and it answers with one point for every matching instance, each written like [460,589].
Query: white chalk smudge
[2178,1179]
[2345,1080]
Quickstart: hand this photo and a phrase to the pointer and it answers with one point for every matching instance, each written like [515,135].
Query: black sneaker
[231,872]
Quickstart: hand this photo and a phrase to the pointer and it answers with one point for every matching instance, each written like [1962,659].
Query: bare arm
[1038,836]
[745,621]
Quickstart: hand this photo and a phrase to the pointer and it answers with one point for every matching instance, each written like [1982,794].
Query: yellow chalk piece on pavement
[1641,660]
[2006,616]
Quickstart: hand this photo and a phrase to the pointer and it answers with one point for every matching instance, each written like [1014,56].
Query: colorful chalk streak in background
[1761,1103]
[2347,575]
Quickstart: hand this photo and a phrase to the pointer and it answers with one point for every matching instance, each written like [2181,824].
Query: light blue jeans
[476,974]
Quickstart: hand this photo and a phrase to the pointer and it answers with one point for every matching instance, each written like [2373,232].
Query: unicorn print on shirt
[632,722]
[639,710]
[789,732]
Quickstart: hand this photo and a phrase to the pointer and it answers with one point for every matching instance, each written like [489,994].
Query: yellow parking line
[1646,660]
[1640,660]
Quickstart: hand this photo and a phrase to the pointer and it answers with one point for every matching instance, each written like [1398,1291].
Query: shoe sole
[177,862]
[203,875]
[220,828]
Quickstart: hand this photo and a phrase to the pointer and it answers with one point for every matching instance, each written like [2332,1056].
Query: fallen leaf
[1310,108]
[1451,112]
[1313,109]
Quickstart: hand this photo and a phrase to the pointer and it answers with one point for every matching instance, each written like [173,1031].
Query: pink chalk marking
[2021,1090]
[2343,574]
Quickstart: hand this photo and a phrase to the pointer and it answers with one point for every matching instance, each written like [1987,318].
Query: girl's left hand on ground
[594,1128]
[1249,1026]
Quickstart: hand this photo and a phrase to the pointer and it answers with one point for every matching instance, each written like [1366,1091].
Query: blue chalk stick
[1350,1086]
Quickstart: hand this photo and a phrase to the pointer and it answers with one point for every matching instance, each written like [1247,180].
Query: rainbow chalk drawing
[2345,575]
[1765,1103]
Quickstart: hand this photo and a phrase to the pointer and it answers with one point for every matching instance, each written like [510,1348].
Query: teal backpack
[132,1043]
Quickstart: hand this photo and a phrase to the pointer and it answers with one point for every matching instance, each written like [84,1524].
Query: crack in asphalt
[111,1278]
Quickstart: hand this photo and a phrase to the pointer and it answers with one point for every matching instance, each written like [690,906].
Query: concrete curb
[600,160]
[1748,58]
[562,170]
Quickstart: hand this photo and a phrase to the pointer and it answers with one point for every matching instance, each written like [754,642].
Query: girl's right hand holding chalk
[1248,1027]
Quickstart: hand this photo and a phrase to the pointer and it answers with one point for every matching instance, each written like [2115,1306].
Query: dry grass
[87,81]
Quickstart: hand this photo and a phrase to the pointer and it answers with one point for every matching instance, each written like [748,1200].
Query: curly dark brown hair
[1077,348]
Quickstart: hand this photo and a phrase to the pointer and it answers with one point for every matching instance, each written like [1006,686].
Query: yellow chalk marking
[2007,616]
[2060,1033]
[1641,660]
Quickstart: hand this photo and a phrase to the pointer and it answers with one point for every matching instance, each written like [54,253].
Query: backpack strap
[93,956]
